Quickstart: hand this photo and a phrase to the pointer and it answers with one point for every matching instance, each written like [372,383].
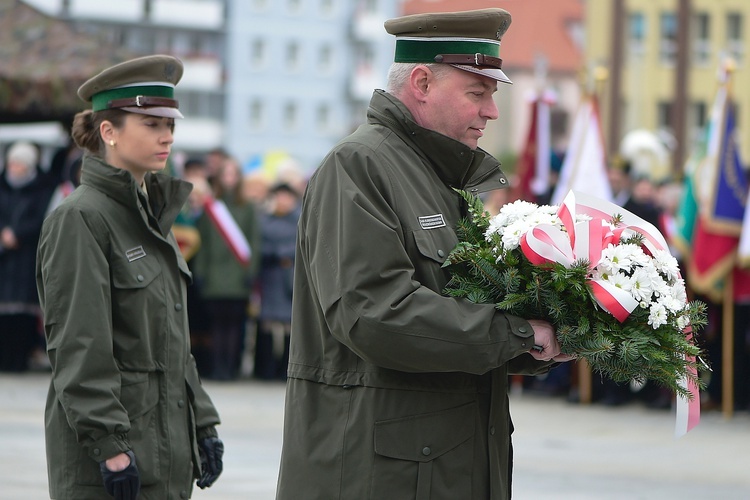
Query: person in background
[126,414]
[225,281]
[394,389]
[24,196]
[278,235]
[214,162]
[188,237]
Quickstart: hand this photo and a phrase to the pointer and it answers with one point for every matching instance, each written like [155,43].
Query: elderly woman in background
[23,200]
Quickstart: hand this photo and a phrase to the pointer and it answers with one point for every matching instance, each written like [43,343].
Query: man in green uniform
[396,390]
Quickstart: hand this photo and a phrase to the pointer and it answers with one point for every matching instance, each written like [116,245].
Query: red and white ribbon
[229,230]
[584,240]
[574,241]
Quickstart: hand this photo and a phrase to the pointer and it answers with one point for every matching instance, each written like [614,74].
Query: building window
[636,32]
[702,38]
[325,58]
[326,7]
[735,38]
[371,6]
[291,116]
[292,56]
[668,38]
[323,117]
[256,114]
[258,52]
[664,116]
[202,104]
[294,6]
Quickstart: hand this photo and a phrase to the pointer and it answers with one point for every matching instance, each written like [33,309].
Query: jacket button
[522,329]
[140,277]
[97,451]
[492,430]
[426,451]
[183,494]
[178,307]
[181,403]
[441,253]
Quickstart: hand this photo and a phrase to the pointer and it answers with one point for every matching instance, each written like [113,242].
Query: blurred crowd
[240,312]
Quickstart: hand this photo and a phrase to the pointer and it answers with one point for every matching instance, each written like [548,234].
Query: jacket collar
[455,163]
[166,195]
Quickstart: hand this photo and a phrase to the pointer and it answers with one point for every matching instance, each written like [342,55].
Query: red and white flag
[584,168]
[229,230]
[534,165]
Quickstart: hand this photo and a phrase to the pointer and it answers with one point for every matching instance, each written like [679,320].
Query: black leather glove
[124,484]
[211,452]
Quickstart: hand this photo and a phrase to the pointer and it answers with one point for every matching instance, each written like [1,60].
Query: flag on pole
[584,168]
[535,163]
[721,190]
[229,230]
[743,252]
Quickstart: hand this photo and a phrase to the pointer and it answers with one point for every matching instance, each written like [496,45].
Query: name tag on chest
[432,221]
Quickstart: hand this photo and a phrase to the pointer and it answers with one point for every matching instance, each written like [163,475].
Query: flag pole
[727,349]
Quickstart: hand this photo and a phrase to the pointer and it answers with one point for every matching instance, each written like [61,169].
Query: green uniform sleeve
[74,290]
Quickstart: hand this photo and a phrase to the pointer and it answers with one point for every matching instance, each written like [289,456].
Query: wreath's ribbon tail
[615,301]
[688,411]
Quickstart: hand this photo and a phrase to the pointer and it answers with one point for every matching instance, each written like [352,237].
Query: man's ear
[419,82]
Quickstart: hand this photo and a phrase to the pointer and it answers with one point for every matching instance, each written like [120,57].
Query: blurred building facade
[650,69]
[193,30]
[300,73]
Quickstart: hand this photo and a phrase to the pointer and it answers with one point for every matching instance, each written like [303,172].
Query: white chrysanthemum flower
[615,258]
[542,217]
[672,304]
[657,316]
[641,285]
[637,256]
[666,264]
[660,287]
[678,290]
[620,281]
[512,212]
[512,234]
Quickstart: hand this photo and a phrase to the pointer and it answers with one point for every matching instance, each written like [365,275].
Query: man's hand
[121,478]
[211,452]
[546,346]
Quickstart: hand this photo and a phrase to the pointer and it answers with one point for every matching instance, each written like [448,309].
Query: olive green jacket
[112,285]
[395,390]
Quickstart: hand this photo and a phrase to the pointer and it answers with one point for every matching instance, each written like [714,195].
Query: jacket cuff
[206,432]
[108,447]
[522,334]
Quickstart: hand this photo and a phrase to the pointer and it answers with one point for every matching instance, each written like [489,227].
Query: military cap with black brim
[468,40]
[144,85]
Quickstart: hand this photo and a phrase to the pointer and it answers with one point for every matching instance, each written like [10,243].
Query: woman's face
[142,144]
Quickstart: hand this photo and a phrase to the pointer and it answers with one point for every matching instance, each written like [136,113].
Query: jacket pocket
[433,451]
[435,244]
[140,316]
[140,397]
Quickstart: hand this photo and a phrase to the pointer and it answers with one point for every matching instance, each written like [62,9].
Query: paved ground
[563,451]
